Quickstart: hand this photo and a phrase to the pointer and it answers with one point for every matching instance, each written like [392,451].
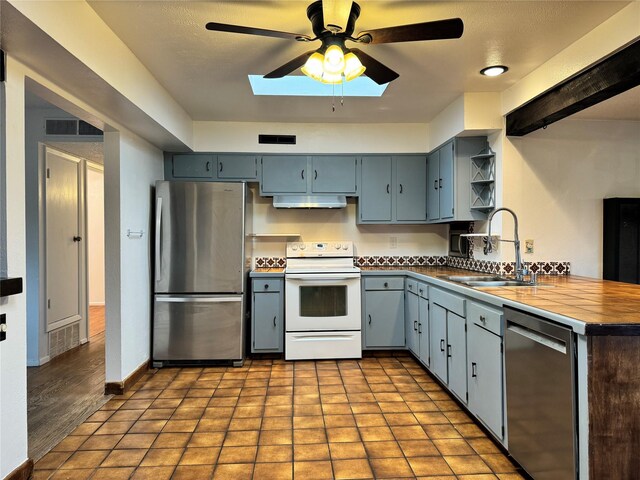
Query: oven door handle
[321,276]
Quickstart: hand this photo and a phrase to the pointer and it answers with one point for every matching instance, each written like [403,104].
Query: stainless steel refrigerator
[202,259]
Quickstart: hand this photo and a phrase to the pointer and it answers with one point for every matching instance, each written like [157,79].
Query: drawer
[267,285]
[384,283]
[423,290]
[449,301]
[485,316]
[412,286]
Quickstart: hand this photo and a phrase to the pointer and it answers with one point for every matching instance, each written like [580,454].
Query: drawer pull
[449,351]
[410,287]
[474,372]
[369,319]
[421,291]
[266,286]
[483,319]
[442,344]
[415,325]
[386,285]
[274,321]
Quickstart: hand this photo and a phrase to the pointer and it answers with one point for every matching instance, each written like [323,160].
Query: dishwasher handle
[539,337]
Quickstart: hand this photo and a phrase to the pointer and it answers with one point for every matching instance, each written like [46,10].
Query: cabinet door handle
[315,174]
[440,183]
[400,188]
[420,328]
[449,351]
[266,286]
[208,166]
[77,238]
[274,321]
[474,372]
[410,287]
[387,188]
[442,344]
[302,174]
[386,285]
[421,291]
[415,325]
[221,166]
[483,319]
[369,319]
[435,184]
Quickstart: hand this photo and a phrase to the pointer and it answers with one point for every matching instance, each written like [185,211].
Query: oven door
[322,301]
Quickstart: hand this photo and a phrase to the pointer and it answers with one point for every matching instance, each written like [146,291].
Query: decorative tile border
[484,266]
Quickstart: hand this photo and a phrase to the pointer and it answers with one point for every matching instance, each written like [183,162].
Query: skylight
[303,86]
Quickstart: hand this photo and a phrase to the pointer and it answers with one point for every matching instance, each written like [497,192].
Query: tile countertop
[590,306]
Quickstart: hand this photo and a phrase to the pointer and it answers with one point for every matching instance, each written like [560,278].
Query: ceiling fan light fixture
[313,68]
[334,60]
[494,70]
[331,78]
[353,67]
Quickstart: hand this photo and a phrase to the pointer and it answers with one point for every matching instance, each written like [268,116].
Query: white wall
[340,224]
[132,167]
[555,180]
[95,234]
[13,351]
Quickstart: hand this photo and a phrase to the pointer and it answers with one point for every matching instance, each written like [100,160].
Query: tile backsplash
[484,266]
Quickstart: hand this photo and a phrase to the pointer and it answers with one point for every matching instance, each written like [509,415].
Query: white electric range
[322,301]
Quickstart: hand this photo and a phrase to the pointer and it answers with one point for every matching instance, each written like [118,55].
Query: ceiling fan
[333,23]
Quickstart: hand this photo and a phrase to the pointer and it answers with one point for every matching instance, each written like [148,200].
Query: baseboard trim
[119,388]
[23,472]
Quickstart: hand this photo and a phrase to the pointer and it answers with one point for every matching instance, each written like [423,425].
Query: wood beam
[609,77]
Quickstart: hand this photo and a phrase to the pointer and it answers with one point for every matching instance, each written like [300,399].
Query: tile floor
[379,417]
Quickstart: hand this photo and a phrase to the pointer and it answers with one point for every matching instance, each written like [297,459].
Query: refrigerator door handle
[197,299]
[158,238]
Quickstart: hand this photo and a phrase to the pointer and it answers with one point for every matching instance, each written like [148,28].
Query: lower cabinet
[417,319]
[448,340]
[485,360]
[383,320]
[267,315]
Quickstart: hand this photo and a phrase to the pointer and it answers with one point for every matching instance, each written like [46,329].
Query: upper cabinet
[333,174]
[223,167]
[284,174]
[193,166]
[392,189]
[449,177]
[237,167]
[301,174]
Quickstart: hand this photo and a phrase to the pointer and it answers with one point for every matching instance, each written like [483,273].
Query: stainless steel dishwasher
[541,398]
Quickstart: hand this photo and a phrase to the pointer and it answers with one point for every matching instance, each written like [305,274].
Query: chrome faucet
[521,271]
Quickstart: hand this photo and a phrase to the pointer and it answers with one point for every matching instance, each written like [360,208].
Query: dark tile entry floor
[379,417]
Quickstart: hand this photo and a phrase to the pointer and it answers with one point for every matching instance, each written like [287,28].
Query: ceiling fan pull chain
[333,97]
[342,93]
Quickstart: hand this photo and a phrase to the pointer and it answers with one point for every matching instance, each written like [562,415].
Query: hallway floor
[379,417]
[64,392]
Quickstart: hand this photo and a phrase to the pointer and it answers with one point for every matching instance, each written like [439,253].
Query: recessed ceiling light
[494,70]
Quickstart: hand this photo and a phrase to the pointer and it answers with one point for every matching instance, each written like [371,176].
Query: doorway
[95,249]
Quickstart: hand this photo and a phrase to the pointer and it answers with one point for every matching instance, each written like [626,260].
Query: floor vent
[70,127]
[277,139]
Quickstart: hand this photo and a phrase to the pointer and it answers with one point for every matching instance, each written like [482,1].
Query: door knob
[77,238]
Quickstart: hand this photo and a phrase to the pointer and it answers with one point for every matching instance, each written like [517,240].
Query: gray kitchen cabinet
[237,167]
[449,191]
[448,342]
[333,174]
[374,204]
[283,174]
[267,315]
[417,320]
[411,191]
[193,166]
[485,366]
[392,189]
[383,321]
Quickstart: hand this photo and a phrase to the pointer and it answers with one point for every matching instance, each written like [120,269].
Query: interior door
[63,239]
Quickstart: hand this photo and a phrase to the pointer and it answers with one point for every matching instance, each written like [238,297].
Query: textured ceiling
[206,72]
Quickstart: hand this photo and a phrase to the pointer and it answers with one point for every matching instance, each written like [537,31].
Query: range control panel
[319,249]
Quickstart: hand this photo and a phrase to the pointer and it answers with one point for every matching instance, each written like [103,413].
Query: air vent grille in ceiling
[277,139]
[69,126]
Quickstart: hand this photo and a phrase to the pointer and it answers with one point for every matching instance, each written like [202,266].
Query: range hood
[310,201]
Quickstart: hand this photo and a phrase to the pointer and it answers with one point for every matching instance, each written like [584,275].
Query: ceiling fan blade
[376,71]
[290,66]
[223,27]
[438,30]
[336,14]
